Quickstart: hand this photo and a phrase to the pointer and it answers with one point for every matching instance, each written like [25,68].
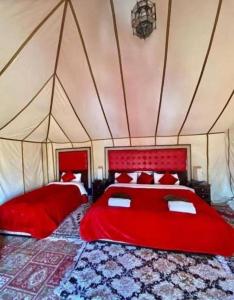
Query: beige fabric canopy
[71,71]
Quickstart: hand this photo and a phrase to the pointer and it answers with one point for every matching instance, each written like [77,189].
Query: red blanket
[149,223]
[39,212]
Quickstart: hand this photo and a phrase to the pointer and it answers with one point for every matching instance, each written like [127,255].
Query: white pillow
[134,176]
[182,206]
[62,176]
[77,175]
[158,176]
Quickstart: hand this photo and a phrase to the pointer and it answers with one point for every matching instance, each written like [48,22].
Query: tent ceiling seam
[231,180]
[56,64]
[164,66]
[89,66]
[134,137]
[52,151]
[29,38]
[120,65]
[28,104]
[38,125]
[61,128]
[226,104]
[22,160]
[51,103]
[178,139]
[140,137]
[42,165]
[92,160]
[16,140]
[50,141]
[203,66]
[73,108]
[207,157]
[47,163]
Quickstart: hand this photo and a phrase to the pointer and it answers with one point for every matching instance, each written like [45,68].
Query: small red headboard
[167,159]
[76,160]
[73,160]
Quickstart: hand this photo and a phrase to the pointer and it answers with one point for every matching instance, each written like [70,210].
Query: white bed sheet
[80,185]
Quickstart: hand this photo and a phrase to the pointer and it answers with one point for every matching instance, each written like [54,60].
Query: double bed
[148,222]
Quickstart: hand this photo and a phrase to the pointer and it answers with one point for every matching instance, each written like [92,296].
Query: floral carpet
[119,272]
[106,271]
[31,269]
[62,266]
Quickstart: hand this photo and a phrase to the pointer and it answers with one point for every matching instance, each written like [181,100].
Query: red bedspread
[39,212]
[149,223]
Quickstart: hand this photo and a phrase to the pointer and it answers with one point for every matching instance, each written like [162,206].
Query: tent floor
[31,269]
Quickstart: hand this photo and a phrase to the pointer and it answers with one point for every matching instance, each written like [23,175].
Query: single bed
[39,212]
[148,222]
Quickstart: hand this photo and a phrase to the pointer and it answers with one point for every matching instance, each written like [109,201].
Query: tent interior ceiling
[72,71]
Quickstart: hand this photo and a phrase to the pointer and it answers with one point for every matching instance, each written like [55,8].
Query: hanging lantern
[143,18]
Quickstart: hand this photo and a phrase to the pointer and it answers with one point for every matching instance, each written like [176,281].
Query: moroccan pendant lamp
[143,18]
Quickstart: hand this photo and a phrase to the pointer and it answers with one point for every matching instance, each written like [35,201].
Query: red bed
[39,212]
[149,223]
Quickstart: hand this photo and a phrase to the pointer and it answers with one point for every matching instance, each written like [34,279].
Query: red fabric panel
[39,212]
[150,159]
[149,223]
[73,160]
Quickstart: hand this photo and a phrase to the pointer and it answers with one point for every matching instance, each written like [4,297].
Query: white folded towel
[182,206]
[121,202]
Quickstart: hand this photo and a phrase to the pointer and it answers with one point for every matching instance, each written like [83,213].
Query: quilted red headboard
[168,159]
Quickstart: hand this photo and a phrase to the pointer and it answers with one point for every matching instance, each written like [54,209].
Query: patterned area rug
[69,228]
[119,272]
[107,271]
[31,269]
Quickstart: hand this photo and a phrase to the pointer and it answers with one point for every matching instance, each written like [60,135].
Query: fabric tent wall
[218,169]
[25,166]
[208,151]
[21,168]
